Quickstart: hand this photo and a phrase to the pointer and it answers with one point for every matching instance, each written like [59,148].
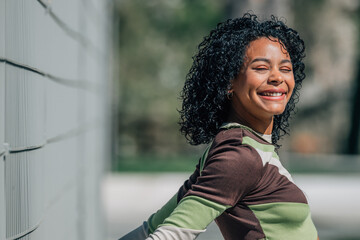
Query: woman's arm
[143,231]
[190,218]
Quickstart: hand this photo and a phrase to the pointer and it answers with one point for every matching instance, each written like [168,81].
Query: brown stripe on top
[274,187]
[231,170]
[188,183]
[239,223]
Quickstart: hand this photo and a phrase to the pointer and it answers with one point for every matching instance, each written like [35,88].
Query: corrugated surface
[36,40]
[61,109]
[60,221]
[24,191]
[2,121]
[52,116]
[2,74]
[25,109]
[2,200]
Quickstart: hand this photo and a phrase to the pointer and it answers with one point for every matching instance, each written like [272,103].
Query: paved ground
[130,198]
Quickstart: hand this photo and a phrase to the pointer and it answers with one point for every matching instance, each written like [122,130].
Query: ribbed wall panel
[61,173]
[24,191]
[2,123]
[92,73]
[18,31]
[92,112]
[2,200]
[61,109]
[2,150]
[52,119]
[36,40]
[60,221]
[2,28]
[96,9]
[2,105]
[2,77]
[94,30]
[92,178]
[25,109]
[61,9]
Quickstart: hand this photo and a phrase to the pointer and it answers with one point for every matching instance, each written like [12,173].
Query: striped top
[241,184]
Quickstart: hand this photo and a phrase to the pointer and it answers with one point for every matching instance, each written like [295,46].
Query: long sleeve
[158,218]
[229,173]
[143,231]
[189,219]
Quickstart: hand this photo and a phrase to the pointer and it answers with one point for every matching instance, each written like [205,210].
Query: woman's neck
[263,126]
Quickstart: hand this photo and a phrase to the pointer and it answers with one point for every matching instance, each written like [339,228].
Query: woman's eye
[285,69]
[260,68]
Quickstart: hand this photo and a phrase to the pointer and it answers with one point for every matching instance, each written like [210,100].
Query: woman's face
[265,83]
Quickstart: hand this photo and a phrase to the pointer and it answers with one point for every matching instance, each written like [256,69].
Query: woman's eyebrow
[285,61]
[260,60]
[268,60]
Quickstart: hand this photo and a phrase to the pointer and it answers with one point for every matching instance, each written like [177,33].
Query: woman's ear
[230,91]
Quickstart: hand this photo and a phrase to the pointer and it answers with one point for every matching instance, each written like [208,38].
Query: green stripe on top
[284,221]
[194,212]
[238,125]
[263,147]
[158,218]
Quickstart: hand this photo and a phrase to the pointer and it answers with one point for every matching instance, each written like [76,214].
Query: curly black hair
[220,56]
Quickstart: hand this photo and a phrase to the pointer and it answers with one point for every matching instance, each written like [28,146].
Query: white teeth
[275,94]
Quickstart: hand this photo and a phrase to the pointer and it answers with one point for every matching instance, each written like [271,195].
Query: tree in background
[353,146]
[323,122]
[156,42]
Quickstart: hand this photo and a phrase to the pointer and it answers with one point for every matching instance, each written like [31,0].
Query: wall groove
[26,149]
[67,82]
[26,232]
[70,134]
[72,33]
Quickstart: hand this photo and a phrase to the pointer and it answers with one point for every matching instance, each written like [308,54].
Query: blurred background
[89,97]
[154,42]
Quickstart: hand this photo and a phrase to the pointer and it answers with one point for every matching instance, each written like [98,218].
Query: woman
[238,96]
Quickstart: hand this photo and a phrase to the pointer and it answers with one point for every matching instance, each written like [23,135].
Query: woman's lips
[276,94]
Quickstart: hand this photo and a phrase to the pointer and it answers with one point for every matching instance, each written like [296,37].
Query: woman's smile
[273,94]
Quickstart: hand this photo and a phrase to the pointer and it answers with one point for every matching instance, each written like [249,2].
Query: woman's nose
[275,77]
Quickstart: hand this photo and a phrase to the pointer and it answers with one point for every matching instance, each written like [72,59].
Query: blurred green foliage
[157,39]
[155,42]
[305,14]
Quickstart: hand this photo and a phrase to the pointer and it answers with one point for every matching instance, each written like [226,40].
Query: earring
[229,95]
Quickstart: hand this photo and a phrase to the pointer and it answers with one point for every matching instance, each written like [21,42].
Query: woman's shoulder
[236,144]
[240,144]
[239,136]
[232,155]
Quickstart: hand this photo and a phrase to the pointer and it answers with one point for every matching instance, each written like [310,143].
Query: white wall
[2,120]
[53,118]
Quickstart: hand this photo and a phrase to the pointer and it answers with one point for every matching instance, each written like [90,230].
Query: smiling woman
[238,97]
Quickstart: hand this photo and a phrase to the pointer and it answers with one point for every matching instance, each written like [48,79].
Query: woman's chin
[276,111]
